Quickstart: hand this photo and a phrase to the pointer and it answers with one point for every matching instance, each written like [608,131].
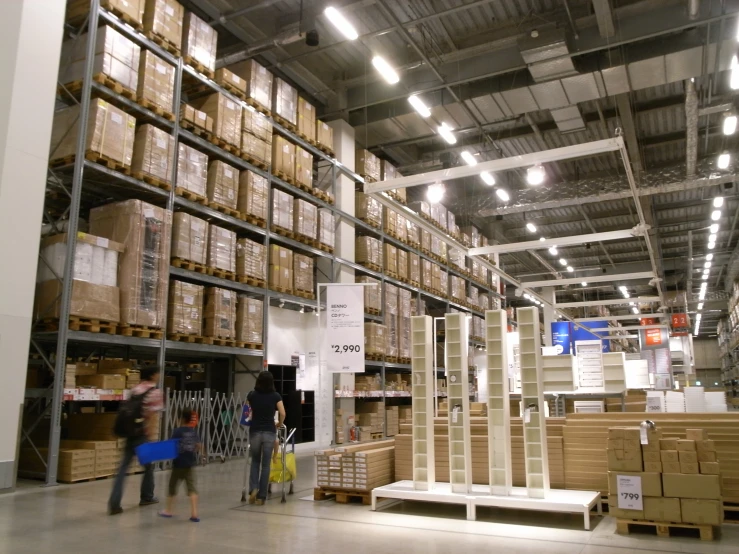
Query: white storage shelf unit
[532,398]
[614,371]
[559,373]
[460,442]
[422,372]
[590,364]
[499,405]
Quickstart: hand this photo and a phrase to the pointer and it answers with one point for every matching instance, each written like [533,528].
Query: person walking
[138,422]
[183,467]
[264,401]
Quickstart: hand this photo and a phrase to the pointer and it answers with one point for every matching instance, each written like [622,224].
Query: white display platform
[556,500]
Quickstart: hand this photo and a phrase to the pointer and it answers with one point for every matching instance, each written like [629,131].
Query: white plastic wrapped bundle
[110,268]
[82,262]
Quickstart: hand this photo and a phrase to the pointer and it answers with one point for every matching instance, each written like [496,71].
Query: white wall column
[549,295]
[30,45]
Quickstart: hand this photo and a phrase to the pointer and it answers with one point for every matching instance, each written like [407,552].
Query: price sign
[629,492]
[345,329]
[654,404]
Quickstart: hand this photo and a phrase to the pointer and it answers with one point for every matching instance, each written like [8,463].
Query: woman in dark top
[264,401]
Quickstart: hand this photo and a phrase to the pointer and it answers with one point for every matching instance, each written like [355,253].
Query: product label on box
[629,492]
[161,68]
[161,144]
[200,115]
[230,105]
[101,242]
[228,173]
[189,300]
[169,10]
[116,118]
[148,213]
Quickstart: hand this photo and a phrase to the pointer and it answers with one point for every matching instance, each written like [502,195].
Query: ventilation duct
[547,55]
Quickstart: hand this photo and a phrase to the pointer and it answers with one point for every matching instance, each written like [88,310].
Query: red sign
[647,321]
[680,321]
[654,337]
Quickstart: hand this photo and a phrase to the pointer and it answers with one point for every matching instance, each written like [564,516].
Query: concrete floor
[71,519]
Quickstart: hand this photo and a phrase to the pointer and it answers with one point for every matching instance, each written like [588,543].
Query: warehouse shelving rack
[93,183]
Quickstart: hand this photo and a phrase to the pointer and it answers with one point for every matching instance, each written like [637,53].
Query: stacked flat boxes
[253,195]
[359,467]
[185,313]
[326,228]
[372,294]
[250,320]
[303,168]
[256,136]
[370,417]
[305,219]
[106,455]
[375,339]
[155,82]
[251,259]
[220,313]
[223,184]
[190,116]
[306,119]
[282,210]
[164,18]
[258,81]
[368,209]
[226,115]
[303,274]
[392,424]
[221,249]
[324,135]
[280,268]
[199,42]
[192,170]
[391,320]
[369,251]
[74,464]
[367,165]
[285,101]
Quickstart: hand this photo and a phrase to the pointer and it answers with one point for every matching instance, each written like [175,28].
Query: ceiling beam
[613,302]
[604,17]
[620,317]
[629,328]
[593,279]
[559,241]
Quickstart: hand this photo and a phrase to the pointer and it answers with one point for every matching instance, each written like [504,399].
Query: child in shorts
[183,467]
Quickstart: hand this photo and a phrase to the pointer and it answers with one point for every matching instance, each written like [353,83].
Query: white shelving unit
[559,373]
[532,404]
[422,371]
[499,405]
[460,442]
[614,371]
[590,365]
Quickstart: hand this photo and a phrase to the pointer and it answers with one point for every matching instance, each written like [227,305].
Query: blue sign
[562,336]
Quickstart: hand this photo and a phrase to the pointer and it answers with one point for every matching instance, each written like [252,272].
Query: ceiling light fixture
[713,228]
[700,306]
[562,261]
[527,296]
[535,175]
[705,277]
[729,126]
[468,158]
[341,23]
[446,133]
[734,78]
[635,310]
[302,309]
[583,284]
[711,245]
[712,238]
[718,201]
[716,215]
[531,227]
[723,160]
[542,239]
[487,178]
[503,195]
[570,268]
[709,257]
[435,192]
[707,265]
[706,271]
[623,288]
[418,105]
[385,69]
[553,250]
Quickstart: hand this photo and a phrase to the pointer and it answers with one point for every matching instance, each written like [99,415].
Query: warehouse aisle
[72,520]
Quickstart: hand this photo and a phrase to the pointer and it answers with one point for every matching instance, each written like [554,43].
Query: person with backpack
[264,401]
[138,422]
[183,466]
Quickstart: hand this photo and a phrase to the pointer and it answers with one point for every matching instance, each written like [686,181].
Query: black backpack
[130,421]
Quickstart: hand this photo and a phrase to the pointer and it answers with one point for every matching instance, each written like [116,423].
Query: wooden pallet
[391,359]
[196,130]
[371,223]
[370,265]
[257,106]
[325,149]
[414,284]
[141,331]
[77,323]
[374,357]
[368,178]
[254,220]
[151,180]
[221,273]
[75,87]
[342,496]
[238,93]
[190,266]
[663,529]
[305,294]
[396,197]
[227,146]
[371,311]
[152,107]
[195,339]
[326,248]
[305,239]
[253,281]
[164,43]
[403,279]
[283,232]
[124,16]
[391,274]
[253,345]
[321,195]
[404,360]
[253,161]
[304,187]
[286,124]
[277,288]
[191,196]
[227,342]
[96,158]
[225,209]
[284,176]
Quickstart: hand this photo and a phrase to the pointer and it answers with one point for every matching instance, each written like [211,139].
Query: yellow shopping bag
[275,471]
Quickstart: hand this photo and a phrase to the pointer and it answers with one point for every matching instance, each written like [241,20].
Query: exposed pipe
[694,8]
[691,126]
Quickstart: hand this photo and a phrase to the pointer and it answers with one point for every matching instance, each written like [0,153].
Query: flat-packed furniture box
[107,456]
[190,116]
[285,101]
[116,56]
[110,382]
[391,319]
[303,167]
[372,294]
[226,116]
[110,132]
[185,313]
[164,18]
[221,248]
[231,82]
[414,268]
[367,165]
[326,228]
[156,82]
[253,195]
[223,184]
[219,319]
[303,273]
[280,268]
[254,147]
[402,264]
[305,218]
[368,209]
[143,271]
[390,221]
[192,170]
[282,210]
[251,259]
[324,135]
[199,42]
[283,157]
[88,301]
[306,119]
[390,259]
[375,339]
[249,320]
[73,465]
[189,238]
[132,11]
[258,81]
[427,279]
[369,251]
[388,172]
[152,154]
[404,323]
[256,124]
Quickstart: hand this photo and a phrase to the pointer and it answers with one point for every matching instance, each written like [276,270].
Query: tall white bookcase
[532,404]
[422,371]
[499,406]
[460,442]
[614,371]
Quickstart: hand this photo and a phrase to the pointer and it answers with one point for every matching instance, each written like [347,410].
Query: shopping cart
[282,470]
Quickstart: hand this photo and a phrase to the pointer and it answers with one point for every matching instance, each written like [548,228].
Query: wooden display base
[371,311]
[663,529]
[375,357]
[342,496]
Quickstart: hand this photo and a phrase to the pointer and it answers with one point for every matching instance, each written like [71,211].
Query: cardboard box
[669,456]
[390,258]
[220,313]
[653,467]
[671,467]
[686,445]
[251,259]
[132,9]
[258,81]
[226,116]
[326,227]
[110,132]
[709,468]
[185,313]
[662,509]
[375,338]
[283,156]
[707,456]
[253,195]
[705,446]
[306,119]
[368,209]
[192,169]
[702,511]
[696,434]
[651,483]
[303,273]
[189,238]
[668,444]
[164,18]
[615,511]
[285,101]
[372,294]
[198,118]
[369,250]
[155,81]
[200,41]
[691,486]
[223,184]
[688,457]
[152,153]
[282,210]
[88,300]
[117,382]
[689,467]
[303,167]
[258,149]
[324,135]
[96,259]
[249,319]
[116,366]
[257,125]
[367,164]
[305,218]
[221,248]
[651,456]
[143,272]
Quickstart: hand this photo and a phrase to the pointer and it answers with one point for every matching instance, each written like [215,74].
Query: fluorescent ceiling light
[711,245]
[627,295]
[713,228]
[341,23]
[583,284]
[718,201]
[446,133]
[716,215]
[623,288]
[734,78]
[434,193]
[707,265]
[419,106]
[729,126]
[527,296]
[709,257]
[385,69]
[700,306]
[553,250]
[542,239]
[535,175]
[723,160]
[531,227]
[703,286]
[570,268]
[562,261]
[487,178]
[503,195]
[705,276]
[706,271]
[635,310]
[712,238]
[468,158]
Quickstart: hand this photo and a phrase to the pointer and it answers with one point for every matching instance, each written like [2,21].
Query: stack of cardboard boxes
[375,339]
[220,313]
[285,101]
[226,116]
[370,418]
[189,238]
[305,219]
[253,196]
[368,209]
[372,294]
[367,165]
[303,274]
[258,82]
[256,136]
[367,383]
[132,9]
[223,184]
[324,135]
[221,249]
[390,258]
[199,42]
[164,18]
[306,119]
[192,170]
[106,455]
[369,252]
[192,117]
[231,82]
[391,320]
[303,168]
[357,467]
[250,320]
[392,424]
[339,425]
[185,313]
[280,268]
[283,158]
[458,289]
[156,82]
[282,210]
[251,259]
[326,228]
[73,465]
[152,152]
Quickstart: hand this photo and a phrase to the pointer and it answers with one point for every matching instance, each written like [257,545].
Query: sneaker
[154,500]
[115,511]
[259,502]
[253,496]
[164,514]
